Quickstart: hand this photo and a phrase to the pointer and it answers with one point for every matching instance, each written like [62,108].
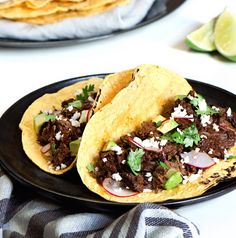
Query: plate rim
[21,43]
[38,188]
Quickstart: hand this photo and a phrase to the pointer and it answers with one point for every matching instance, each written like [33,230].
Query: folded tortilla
[45,103]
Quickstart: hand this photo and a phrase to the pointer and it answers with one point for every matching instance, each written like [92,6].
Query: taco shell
[46,102]
[151,93]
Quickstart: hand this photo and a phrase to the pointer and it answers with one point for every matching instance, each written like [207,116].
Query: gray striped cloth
[24,216]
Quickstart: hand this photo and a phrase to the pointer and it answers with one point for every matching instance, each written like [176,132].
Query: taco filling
[166,152]
[59,131]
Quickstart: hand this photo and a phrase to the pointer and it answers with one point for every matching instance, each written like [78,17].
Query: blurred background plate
[159,9]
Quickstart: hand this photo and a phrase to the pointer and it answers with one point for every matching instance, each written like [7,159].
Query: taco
[53,125]
[142,156]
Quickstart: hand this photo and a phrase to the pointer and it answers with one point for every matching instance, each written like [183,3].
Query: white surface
[23,71]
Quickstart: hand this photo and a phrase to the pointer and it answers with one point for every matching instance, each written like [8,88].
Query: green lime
[202,39]
[225,35]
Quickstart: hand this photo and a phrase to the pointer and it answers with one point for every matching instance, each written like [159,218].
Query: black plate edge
[99,205]
[14,43]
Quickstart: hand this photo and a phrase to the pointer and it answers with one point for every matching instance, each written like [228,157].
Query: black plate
[159,9]
[68,187]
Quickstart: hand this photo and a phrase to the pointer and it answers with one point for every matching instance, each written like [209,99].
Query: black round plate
[159,9]
[68,187]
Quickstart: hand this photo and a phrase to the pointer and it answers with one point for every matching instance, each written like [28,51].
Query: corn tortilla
[46,102]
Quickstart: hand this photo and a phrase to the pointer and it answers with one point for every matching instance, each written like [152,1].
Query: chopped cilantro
[90,168]
[230,157]
[196,101]
[186,137]
[163,165]
[85,93]
[76,104]
[208,111]
[134,160]
[158,123]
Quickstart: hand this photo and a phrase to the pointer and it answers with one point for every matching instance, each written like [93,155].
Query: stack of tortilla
[52,11]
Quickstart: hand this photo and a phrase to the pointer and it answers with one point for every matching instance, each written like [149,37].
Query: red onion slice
[150,149]
[89,114]
[113,187]
[199,160]
[135,143]
[46,148]
[184,118]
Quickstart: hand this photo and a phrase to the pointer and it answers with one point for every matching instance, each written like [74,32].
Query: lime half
[225,35]
[203,38]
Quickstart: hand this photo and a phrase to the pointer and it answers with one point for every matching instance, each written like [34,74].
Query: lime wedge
[203,38]
[225,35]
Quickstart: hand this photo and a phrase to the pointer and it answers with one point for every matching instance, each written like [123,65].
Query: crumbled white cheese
[63,166]
[146,190]
[186,159]
[116,177]
[58,135]
[193,177]
[60,117]
[123,161]
[48,111]
[216,127]
[215,108]
[179,112]
[96,169]
[216,160]
[190,97]
[70,108]
[180,132]
[163,142]
[150,143]
[150,179]
[197,149]
[210,152]
[75,116]
[199,171]
[205,119]
[229,112]
[127,188]
[202,105]
[151,133]
[117,149]
[148,174]
[104,160]
[203,136]
[75,123]
[58,168]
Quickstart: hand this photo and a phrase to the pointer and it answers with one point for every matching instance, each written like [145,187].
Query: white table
[23,71]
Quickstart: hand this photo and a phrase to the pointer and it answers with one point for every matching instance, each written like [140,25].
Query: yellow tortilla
[111,85]
[151,93]
[21,11]
[44,103]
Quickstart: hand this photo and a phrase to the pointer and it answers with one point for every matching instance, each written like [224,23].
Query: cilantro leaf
[186,137]
[163,165]
[134,160]
[83,97]
[196,102]
[158,123]
[209,111]
[230,157]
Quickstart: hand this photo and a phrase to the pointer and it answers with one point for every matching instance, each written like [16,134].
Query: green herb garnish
[83,97]
[163,165]
[76,104]
[186,137]
[158,123]
[90,168]
[230,156]
[53,148]
[134,160]
[199,99]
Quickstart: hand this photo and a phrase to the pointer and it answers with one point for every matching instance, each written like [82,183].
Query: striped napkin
[24,215]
